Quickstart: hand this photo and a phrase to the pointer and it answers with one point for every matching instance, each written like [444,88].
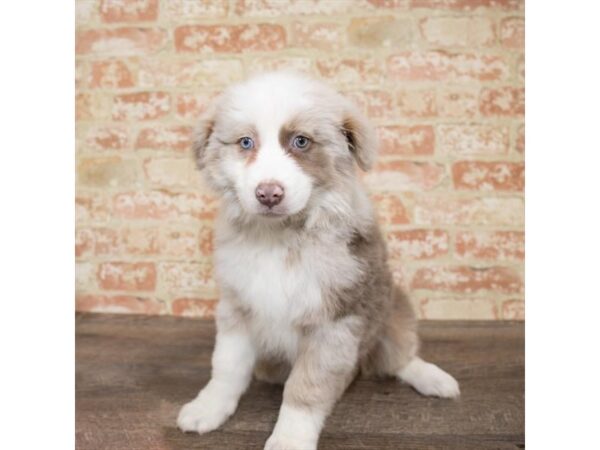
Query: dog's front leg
[232,364]
[326,364]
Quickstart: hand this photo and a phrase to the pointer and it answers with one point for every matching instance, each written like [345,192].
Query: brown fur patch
[314,159]
[360,137]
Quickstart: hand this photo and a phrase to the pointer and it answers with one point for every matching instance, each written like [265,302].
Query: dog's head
[273,145]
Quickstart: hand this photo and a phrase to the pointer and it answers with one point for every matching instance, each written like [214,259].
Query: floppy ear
[360,135]
[202,135]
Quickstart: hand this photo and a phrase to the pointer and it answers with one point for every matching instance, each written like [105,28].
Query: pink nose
[269,194]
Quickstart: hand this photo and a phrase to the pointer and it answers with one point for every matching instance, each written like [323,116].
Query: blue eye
[246,143]
[301,142]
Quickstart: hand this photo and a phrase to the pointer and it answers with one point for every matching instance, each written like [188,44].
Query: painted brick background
[442,80]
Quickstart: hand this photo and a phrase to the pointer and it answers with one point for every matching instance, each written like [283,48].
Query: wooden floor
[134,373]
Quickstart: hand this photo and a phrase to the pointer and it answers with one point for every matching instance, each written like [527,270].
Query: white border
[562,224]
[36,235]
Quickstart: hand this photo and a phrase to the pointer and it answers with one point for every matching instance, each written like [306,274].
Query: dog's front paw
[278,442]
[207,412]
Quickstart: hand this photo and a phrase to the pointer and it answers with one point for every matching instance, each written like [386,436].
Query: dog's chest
[283,285]
[274,280]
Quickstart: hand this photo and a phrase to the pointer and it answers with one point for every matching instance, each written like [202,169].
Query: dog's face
[273,145]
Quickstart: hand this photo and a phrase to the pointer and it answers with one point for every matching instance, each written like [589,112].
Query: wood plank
[133,373]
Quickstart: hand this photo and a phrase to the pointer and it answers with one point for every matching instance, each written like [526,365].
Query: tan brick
[187,276]
[277,8]
[520,140]
[449,210]
[85,276]
[92,106]
[169,172]
[128,10]
[109,171]
[191,10]
[403,140]
[468,280]
[91,207]
[94,241]
[194,307]
[398,175]
[140,241]
[504,101]
[141,106]
[119,304]
[380,32]
[105,241]
[490,245]
[446,66]
[124,276]
[350,71]
[417,244]
[166,138]
[521,68]
[457,309]
[110,74]
[512,32]
[467,5]
[86,12]
[458,31]
[458,102]
[83,243]
[159,73]
[392,4]
[321,36]
[375,104]
[262,64]
[229,38]
[120,41]
[162,204]
[178,242]
[81,70]
[473,140]
[418,103]
[513,310]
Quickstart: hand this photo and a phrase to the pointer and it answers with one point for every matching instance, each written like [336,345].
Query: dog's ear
[202,135]
[360,135]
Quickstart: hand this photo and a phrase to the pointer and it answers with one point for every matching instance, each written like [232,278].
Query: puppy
[307,298]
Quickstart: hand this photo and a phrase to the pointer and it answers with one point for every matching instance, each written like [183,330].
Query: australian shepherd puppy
[307,298]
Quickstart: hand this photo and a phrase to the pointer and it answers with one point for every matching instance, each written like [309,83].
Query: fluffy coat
[307,298]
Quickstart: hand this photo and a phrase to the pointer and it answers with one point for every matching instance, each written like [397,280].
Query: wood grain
[133,373]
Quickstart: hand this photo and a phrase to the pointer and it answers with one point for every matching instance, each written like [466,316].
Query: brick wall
[443,81]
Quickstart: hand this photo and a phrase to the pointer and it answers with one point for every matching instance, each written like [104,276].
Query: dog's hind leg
[396,354]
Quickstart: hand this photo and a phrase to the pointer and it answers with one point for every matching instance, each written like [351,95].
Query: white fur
[429,379]
[277,293]
[296,429]
[272,164]
[232,363]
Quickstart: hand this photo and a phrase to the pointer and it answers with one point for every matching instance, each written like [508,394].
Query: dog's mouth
[272,212]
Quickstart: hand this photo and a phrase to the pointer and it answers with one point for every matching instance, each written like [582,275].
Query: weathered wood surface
[135,372]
